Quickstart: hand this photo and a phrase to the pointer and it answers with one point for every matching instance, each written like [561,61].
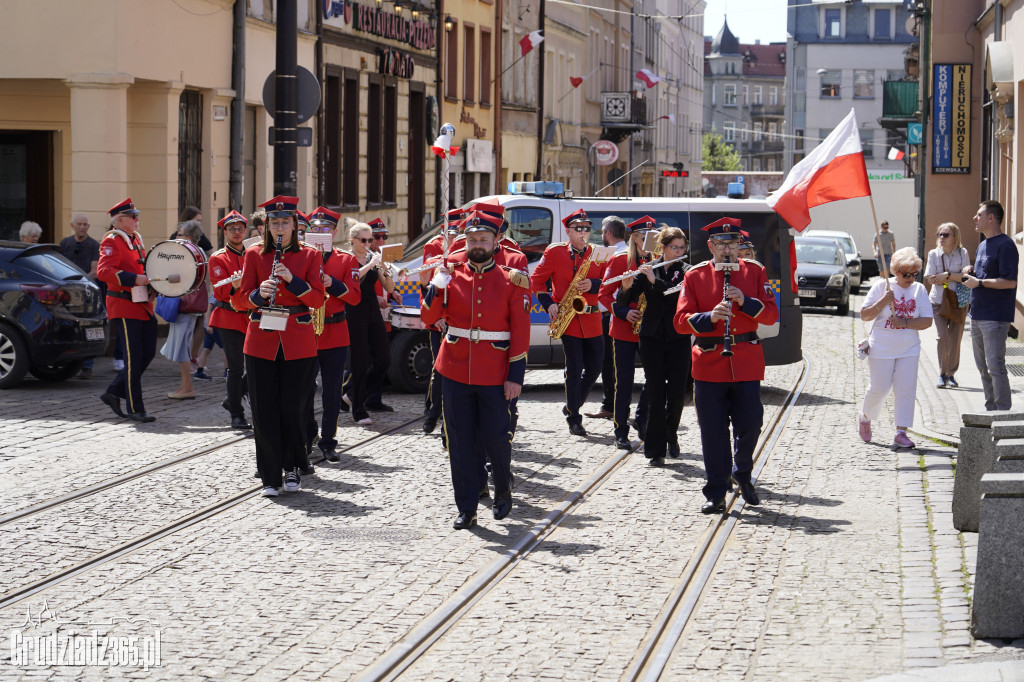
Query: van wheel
[411,361]
[13,357]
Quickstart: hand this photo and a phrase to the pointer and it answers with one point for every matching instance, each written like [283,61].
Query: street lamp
[448,23]
[398,6]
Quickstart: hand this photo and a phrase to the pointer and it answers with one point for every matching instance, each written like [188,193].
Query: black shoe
[623,444]
[307,470]
[657,461]
[429,424]
[577,430]
[378,407]
[713,506]
[113,402]
[748,492]
[332,455]
[673,450]
[141,417]
[464,520]
[226,405]
[502,505]
[240,423]
[257,474]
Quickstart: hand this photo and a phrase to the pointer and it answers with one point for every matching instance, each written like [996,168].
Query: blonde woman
[898,308]
[945,267]
[368,338]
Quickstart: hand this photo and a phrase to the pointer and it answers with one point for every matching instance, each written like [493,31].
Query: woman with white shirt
[899,308]
[945,267]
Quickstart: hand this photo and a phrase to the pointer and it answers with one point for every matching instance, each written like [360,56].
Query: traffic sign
[914,133]
[308,94]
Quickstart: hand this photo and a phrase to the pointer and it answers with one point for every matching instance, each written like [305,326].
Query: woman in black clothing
[368,338]
[665,353]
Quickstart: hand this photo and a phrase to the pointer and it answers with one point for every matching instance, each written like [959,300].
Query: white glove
[441,279]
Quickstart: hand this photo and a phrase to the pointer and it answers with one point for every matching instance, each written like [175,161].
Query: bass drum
[175,257]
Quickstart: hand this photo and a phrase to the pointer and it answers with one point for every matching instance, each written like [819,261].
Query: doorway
[26,182]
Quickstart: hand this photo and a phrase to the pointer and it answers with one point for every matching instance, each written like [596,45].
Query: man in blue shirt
[994,281]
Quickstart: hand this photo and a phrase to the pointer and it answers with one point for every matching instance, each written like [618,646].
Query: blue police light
[536,188]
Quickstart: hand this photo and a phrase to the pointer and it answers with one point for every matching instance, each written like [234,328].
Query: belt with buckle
[589,309]
[225,305]
[335,318]
[709,342]
[478,334]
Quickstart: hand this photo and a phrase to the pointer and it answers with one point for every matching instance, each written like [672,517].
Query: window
[758,128]
[332,140]
[746,95]
[190,148]
[451,75]
[773,96]
[730,94]
[833,23]
[350,140]
[485,66]
[863,84]
[374,139]
[830,84]
[822,134]
[531,228]
[730,133]
[744,133]
[883,24]
[798,142]
[867,142]
[801,80]
[469,64]
[757,95]
[389,146]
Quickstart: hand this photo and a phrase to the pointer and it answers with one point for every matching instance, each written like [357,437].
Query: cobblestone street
[850,569]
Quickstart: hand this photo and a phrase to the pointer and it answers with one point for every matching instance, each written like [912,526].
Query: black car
[822,277]
[52,315]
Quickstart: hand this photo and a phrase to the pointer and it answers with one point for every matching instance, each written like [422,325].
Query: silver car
[853,260]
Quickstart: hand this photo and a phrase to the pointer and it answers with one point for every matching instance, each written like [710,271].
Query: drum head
[176,257]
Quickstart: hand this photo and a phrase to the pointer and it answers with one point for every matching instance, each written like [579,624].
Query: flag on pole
[648,77]
[576,81]
[671,118]
[895,154]
[833,171]
[530,41]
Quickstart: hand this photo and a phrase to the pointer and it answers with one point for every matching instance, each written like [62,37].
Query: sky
[749,20]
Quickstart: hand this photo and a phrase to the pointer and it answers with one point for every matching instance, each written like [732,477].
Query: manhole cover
[1016,370]
[379,535]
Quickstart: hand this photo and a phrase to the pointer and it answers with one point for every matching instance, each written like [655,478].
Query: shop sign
[385,23]
[479,156]
[606,152]
[951,119]
[395,63]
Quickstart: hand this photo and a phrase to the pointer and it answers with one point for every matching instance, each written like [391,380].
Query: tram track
[420,639]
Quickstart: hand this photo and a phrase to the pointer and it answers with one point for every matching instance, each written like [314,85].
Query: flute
[432,263]
[229,280]
[634,273]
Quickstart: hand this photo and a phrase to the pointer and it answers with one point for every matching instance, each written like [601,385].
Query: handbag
[195,303]
[167,308]
[951,308]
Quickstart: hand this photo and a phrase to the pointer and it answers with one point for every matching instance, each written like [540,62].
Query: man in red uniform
[582,342]
[339,278]
[129,309]
[727,388]
[230,323]
[482,362]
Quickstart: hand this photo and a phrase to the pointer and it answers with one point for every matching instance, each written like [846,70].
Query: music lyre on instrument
[175,267]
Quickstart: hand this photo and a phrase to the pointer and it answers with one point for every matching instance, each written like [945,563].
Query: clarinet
[273,272]
[727,339]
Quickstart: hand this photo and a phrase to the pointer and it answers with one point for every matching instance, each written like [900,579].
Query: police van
[535,211]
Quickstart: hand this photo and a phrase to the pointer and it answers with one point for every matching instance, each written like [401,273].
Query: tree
[718,154]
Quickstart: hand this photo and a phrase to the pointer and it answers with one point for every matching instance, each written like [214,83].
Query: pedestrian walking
[944,274]
[83,251]
[993,279]
[882,246]
[898,308]
[178,346]
[613,233]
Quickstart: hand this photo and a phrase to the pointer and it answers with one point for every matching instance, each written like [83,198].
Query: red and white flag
[895,154]
[530,41]
[671,118]
[834,171]
[577,80]
[648,77]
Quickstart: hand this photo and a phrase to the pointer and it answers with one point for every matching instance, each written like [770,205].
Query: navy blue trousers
[666,366]
[279,392]
[623,368]
[583,358]
[476,420]
[718,404]
[607,366]
[432,404]
[332,374]
[234,341]
[137,341]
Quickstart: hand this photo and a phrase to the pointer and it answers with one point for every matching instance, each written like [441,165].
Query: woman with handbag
[943,274]
[178,347]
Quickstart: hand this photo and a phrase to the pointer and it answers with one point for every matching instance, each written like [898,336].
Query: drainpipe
[235,172]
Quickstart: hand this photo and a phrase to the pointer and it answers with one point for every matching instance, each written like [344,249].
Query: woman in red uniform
[281,288]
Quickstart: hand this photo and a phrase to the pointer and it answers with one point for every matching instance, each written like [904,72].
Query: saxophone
[320,314]
[641,306]
[571,304]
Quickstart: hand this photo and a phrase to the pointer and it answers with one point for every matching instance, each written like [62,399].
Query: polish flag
[671,118]
[648,77]
[530,41]
[832,172]
[577,80]
[895,154]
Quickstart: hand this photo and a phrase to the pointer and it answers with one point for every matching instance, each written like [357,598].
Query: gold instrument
[641,306]
[320,314]
[571,305]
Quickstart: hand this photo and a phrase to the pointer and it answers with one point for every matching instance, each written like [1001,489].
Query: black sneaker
[291,481]
[331,455]
[307,470]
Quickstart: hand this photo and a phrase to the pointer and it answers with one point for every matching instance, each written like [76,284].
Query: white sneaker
[269,492]
[291,481]
[118,365]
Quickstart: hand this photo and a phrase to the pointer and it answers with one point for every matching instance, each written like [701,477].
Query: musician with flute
[728,362]
[281,287]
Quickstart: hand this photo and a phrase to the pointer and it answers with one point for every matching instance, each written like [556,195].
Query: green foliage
[719,155]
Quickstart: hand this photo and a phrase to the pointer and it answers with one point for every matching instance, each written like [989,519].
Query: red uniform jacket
[620,328]
[702,291]
[305,291]
[223,264]
[343,268]
[484,297]
[559,264]
[122,258]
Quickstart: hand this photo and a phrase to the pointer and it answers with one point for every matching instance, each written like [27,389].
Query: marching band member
[482,361]
[386,292]
[340,269]
[620,329]
[367,336]
[231,323]
[747,247]
[665,352]
[582,341]
[727,388]
[281,289]
[613,233]
[129,308]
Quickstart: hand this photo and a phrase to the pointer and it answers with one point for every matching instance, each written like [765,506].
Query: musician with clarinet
[281,287]
[722,312]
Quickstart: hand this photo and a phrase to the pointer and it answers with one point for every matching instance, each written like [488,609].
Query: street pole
[286,100]
[924,79]
[236,174]
[540,95]
[632,79]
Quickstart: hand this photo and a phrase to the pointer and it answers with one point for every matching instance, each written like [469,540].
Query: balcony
[767,111]
[899,100]
[764,147]
[622,115]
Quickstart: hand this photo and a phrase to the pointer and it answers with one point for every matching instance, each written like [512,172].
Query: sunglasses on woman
[909,274]
[943,235]
[364,240]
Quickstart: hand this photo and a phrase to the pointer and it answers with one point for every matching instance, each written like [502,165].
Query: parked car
[821,273]
[854,263]
[52,315]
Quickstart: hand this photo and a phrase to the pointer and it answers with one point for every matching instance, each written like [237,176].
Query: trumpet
[634,273]
[428,265]
[229,280]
